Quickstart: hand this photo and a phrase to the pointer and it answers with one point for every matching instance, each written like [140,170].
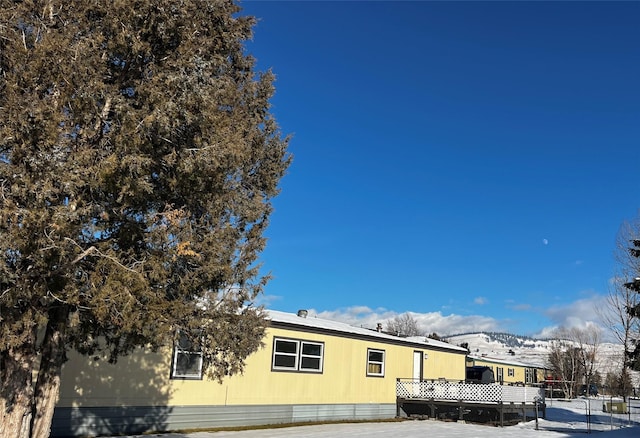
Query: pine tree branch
[92,249]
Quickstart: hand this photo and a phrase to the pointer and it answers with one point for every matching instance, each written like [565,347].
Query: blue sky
[470,162]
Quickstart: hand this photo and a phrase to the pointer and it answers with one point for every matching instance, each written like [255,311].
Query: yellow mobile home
[510,372]
[310,369]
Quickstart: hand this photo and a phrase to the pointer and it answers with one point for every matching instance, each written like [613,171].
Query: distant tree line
[572,359]
[406,325]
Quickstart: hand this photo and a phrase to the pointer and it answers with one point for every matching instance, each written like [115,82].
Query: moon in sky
[545,241]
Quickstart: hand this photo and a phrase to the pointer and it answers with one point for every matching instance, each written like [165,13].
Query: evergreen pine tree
[138,161]
[634,285]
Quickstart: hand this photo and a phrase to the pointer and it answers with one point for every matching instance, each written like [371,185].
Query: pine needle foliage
[632,304]
[138,163]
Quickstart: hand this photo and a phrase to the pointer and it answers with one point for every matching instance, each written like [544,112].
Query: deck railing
[470,392]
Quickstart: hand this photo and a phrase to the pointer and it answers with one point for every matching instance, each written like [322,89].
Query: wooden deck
[459,401]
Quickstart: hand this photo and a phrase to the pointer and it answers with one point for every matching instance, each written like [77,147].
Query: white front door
[417,372]
[417,365]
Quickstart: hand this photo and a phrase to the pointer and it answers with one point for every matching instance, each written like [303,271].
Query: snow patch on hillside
[505,346]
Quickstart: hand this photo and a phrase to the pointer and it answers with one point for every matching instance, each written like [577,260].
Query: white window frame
[511,372]
[500,374]
[375,362]
[528,375]
[298,356]
[181,348]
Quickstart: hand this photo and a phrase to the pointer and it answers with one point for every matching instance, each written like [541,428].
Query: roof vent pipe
[302,313]
[379,327]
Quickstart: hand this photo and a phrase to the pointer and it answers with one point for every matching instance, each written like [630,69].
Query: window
[511,372]
[297,355]
[375,363]
[310,356]
[528,375]
[500,374]
[187,360]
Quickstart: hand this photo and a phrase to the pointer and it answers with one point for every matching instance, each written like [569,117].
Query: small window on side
[285,354]
[375,363]
[311,357]
[187,360]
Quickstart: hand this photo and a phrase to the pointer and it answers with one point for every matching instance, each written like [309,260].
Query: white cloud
[451,324]
[546,333]
[580,313]
[267,300]
[480,301]
[359,316]
[443,325]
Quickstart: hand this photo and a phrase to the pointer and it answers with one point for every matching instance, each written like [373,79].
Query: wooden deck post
[432,409]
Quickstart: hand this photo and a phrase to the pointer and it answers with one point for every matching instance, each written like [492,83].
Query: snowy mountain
[505,346]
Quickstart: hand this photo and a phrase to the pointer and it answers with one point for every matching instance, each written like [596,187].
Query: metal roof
[505,361]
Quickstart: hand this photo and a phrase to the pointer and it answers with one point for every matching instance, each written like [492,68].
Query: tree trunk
[16,391]
[48,384]
[27,406]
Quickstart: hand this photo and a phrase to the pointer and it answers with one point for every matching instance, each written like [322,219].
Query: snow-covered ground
[564,419]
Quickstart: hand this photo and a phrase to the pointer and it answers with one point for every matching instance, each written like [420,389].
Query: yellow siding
[445,365]
[143,379]
[541,375]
